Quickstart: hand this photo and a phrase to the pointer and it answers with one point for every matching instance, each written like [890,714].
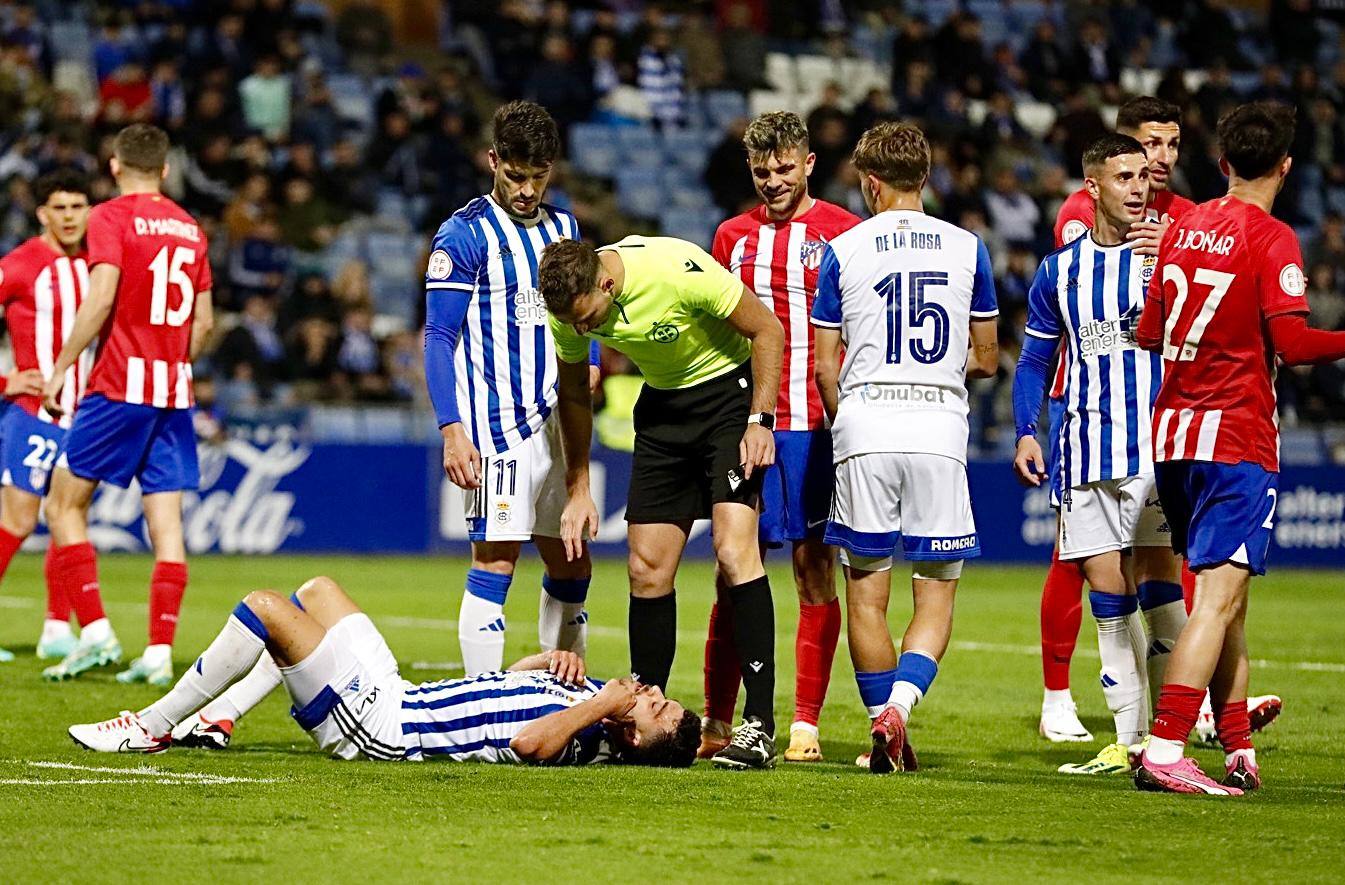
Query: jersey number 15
[166,271]
[916,325]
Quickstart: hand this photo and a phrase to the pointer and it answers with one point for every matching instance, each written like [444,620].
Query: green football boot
[139,671]
[57,648]
[85,656]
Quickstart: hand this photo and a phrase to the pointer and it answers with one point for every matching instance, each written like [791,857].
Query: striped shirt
[504,359]
[474,719]
[41,290]
[1091,296]
[661,80]
[779,262]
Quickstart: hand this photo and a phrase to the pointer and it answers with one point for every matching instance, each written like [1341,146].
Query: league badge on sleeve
[440,265]
[1292,280]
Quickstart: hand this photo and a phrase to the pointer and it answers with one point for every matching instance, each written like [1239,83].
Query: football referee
[710,354]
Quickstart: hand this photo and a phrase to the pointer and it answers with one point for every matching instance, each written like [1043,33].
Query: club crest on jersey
[663,333]
[440,265]
[810,253]
[1147,268]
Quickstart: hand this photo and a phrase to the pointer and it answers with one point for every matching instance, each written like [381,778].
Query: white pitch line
[151,773]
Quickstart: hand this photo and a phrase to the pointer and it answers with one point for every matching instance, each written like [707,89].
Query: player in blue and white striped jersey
[1090,293]
[348,694]
[490,365]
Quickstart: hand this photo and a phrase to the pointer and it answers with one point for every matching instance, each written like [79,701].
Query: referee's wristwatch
[765,419]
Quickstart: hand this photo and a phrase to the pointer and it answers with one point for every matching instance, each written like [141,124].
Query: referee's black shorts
[686,450]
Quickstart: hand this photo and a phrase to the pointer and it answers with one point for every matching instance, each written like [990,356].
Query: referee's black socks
[653,638]
[754,634]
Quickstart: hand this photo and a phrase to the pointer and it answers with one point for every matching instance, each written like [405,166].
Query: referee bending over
[710,354]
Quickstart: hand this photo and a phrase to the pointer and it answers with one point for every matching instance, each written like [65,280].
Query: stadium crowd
[321,153]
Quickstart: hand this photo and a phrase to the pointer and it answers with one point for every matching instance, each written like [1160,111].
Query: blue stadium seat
[352,98]
[640,146]
[594,149]
[639,191]
[695,225]
[723,106]
[687,148]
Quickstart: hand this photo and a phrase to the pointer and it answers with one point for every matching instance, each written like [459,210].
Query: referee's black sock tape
[754,634]
[653,638]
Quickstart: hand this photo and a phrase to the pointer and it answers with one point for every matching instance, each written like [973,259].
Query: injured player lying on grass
[348,695]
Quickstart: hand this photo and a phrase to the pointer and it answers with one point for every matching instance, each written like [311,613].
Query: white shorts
[920,499]
[348,693]
[1112,514]
[522,490]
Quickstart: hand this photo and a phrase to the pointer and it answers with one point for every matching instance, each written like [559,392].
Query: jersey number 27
[168,270]
[1218,282]
[909,325]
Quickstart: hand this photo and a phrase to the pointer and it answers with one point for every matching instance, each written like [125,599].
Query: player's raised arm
[545,739]
[89,319]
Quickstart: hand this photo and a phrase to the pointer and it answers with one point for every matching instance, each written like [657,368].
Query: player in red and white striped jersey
[1228,297]
[149,294]
[42,283]
[776,250]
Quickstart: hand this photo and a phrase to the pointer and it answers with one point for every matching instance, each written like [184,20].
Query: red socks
[9,545]
[166,586]
[814,650]
[722,675]
[1188,585]
[1178,709]
[1061,615]
[72,574]
[1235,727]
[58,595]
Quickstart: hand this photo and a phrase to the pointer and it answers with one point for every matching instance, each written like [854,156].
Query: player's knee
[736,557]
[266,604]
[646,573]
[315,589]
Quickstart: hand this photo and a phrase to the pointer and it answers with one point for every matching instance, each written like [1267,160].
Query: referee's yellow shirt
[669,317]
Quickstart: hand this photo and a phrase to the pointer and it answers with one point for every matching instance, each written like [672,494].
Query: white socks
[1056,697]
[1164,615]
[562,622]
[904,697]
[98,631]
[1122,685]
[233,653]
[156,655]
[481,634]
[246,693]
[53,629]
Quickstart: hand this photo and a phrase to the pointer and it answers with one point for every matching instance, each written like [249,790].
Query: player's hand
[51,395]
[757,449]
[462,461]
[1146,235]
[25,383]
[620,695]
[578,522]
[566,666]
[1028,463]
[594,380]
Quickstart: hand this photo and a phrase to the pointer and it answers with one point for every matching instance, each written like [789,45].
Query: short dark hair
[1146,109]
[70,181]
[568,269]
[142,147]
[1113,144]
[676,749]
[523,132]
[773,132]
[896,153]
[1256,136]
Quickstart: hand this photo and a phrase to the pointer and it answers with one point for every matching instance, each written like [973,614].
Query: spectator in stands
[1210,33]
[1095,58]
[124,97]
[265,97]
[396,157]
[1293,30]
[912,44]
[352,288]
[211,175]
[699,43]
[225,47]
[358,357]
[1078,126]
[1012,213]
[661,79]
[249,207]
[404,366]
[27,31]
[347,187]
[315,116]
[406,93]
[919,94]
[960,55]
[744,49]
[560,85]
[259,263]
[312,299]
[1328,248]
[311,362]
[251,357]
[1045,62]
[167,95]
[113,48]
[604,71]
[306,221]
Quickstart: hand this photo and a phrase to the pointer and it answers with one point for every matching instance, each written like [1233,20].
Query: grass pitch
[986,805]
